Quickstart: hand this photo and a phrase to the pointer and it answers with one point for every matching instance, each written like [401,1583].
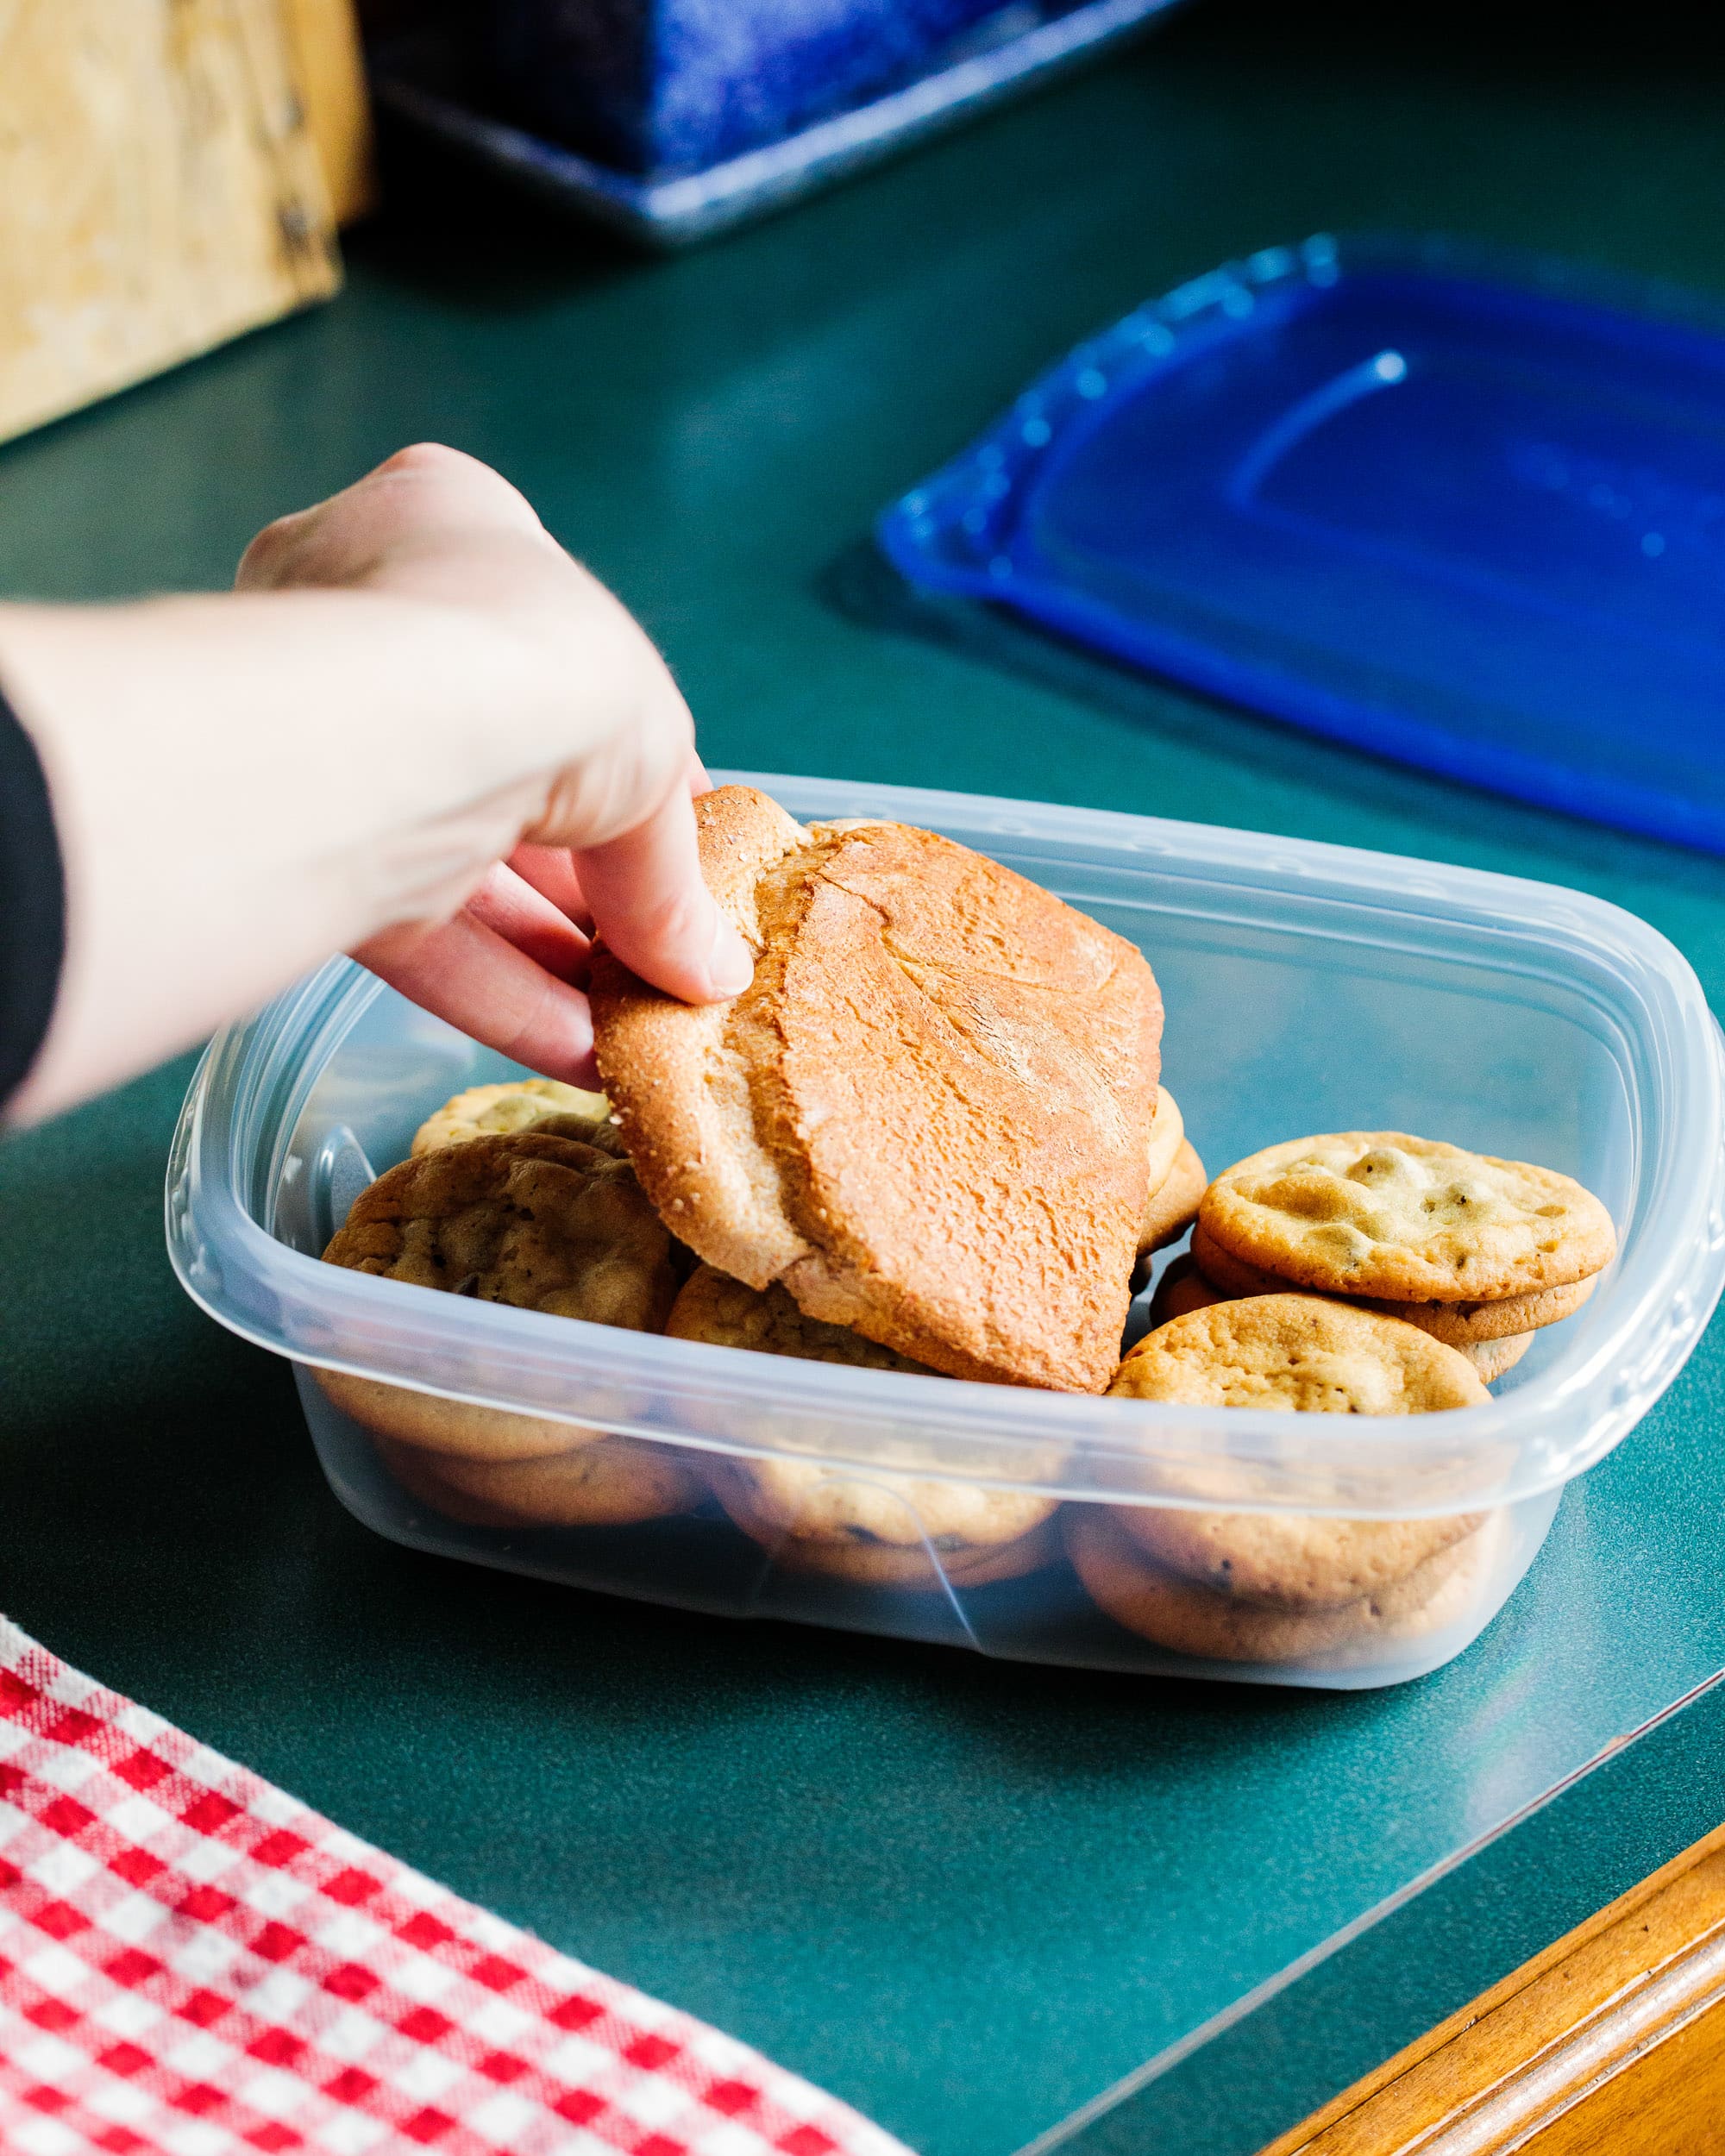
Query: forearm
[243,784]
[412,681]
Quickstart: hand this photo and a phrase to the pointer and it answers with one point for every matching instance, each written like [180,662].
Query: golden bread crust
[679,1086]
[1406,1219]
[929,1115]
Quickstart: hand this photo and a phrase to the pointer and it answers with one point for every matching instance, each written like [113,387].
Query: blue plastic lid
[1471,519]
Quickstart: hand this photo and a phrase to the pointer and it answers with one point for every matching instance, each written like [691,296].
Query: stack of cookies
[1275,1587]
[518,1194]
[891,1527]
[929,1118]
[930,1137]
[1480,1253]
[1177,1184]
[1356,1273]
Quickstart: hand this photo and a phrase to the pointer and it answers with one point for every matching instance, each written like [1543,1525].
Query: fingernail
[730,964]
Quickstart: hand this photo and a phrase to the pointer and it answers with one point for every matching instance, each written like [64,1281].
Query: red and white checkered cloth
[192,1963]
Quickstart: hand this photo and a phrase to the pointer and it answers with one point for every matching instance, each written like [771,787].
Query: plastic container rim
[1664,1286]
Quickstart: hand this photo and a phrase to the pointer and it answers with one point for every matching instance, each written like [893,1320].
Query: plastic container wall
[1308,989]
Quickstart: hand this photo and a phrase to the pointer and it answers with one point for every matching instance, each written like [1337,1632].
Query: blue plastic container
[1468,514]
[571,107]
[664,87]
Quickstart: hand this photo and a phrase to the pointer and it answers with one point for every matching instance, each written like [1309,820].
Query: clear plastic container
[1308,989]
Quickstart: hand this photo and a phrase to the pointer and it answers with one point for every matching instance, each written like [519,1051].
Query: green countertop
[968,1896]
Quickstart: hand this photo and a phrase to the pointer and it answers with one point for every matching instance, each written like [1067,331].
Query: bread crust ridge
[928,1114]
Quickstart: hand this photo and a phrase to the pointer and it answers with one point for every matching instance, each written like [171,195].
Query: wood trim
[1611,2040]
[325,38]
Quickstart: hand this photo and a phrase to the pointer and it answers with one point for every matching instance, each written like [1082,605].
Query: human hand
[418,732]
[596,836]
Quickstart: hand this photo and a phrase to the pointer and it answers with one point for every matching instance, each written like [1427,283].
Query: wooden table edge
[1611,2036]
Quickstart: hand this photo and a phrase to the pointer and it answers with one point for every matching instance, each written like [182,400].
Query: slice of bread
[928,1115]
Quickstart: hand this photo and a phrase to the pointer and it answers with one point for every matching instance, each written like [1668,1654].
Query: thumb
[651,908]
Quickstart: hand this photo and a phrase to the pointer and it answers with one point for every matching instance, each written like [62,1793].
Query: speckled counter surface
[968,1896]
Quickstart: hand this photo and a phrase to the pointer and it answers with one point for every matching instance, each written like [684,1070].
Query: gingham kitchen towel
[192,1963]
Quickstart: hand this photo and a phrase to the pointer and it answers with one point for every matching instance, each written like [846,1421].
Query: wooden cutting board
[169,175]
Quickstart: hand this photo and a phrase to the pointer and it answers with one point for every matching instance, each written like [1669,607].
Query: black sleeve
[32,904]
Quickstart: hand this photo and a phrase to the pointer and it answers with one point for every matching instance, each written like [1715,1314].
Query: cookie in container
[1306,989]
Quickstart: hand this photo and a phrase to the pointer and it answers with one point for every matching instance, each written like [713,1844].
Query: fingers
[528,918]
[551,871]
[504,969]
[464,972]
[652,908]
[421,492]
[645,755]
[480,614]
